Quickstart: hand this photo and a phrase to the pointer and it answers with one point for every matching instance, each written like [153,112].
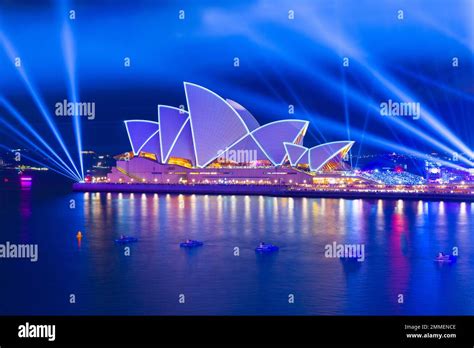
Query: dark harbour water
[400,238]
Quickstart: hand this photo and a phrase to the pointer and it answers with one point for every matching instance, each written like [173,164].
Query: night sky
[282,61]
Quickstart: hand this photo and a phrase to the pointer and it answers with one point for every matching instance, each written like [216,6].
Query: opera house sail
[217,140]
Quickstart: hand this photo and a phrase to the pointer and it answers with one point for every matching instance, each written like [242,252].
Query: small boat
[191,244]
[445,258]
[266,248]
[126,239]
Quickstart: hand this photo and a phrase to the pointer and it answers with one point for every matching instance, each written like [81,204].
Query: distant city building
[96,164]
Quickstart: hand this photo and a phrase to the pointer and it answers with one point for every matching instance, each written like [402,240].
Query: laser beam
[15,113]
[36,98]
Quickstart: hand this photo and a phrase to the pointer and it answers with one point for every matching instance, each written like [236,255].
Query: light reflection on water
[400,239]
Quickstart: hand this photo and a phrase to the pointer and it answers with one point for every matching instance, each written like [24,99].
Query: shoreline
[258,190]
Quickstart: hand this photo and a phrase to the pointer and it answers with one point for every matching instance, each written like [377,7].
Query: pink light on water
[25,182]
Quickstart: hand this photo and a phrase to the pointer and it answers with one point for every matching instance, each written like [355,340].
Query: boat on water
[191,244]
[126,239]
[266,248]
[443,258]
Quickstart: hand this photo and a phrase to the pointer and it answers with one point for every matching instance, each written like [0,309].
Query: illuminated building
[219,141]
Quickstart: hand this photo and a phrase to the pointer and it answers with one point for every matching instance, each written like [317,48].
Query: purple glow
[171,122]
[215,124]
[248,144]
[247,117]
[139,132]
[295,152]
[321,154]
[25,182]
[152,145]
[184,147]
[272,136]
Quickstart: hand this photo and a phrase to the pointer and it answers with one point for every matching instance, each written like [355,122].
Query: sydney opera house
[217,141]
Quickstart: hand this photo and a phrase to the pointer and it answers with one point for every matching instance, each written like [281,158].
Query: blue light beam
[69,57]
[25,124]
[37,99]
[34,146]
[40,163]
